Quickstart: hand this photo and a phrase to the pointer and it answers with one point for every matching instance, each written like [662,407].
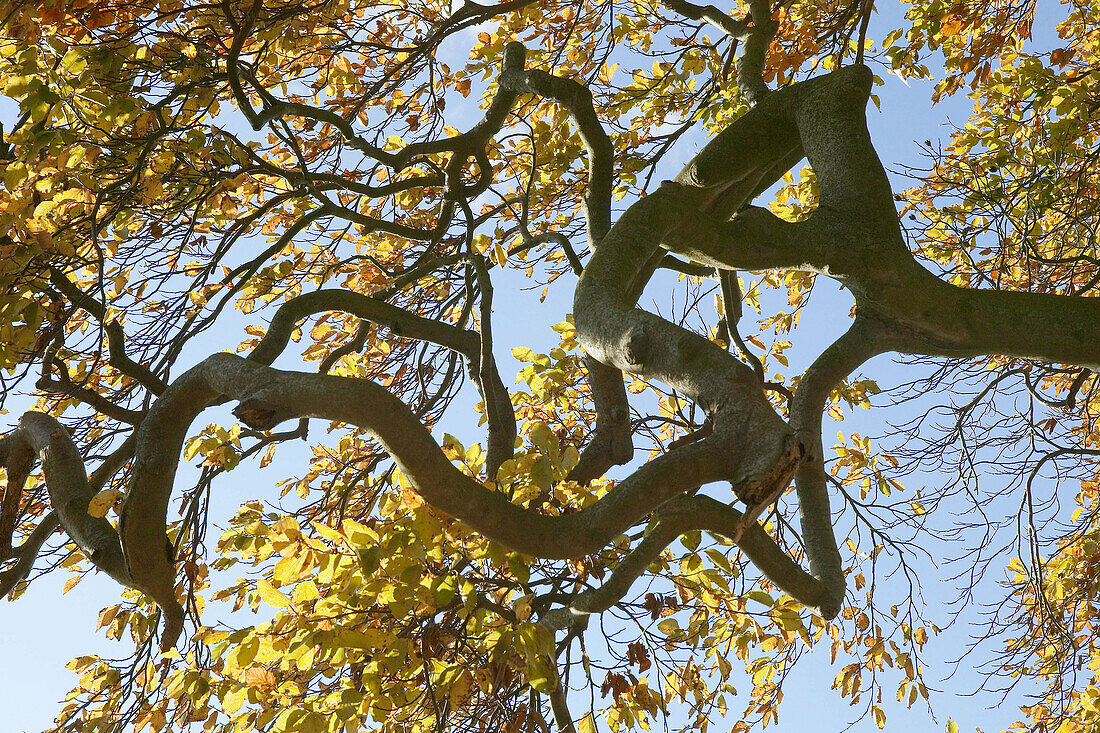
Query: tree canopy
[650,510]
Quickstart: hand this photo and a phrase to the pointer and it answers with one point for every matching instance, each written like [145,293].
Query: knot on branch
[688,347]
[636,349]
[515,56]
[258,414]
[763,488]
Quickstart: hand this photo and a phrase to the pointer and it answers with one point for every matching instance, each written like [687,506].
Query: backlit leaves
[177,161]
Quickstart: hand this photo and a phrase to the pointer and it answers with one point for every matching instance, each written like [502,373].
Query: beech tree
[351,178]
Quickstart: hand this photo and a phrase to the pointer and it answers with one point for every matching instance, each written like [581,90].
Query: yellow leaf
[232,701]
[366,639]
[271,595]
[306,591]
[328,532]
[107,615]
[102,501]
[358,534]
[461,689]
[261,677]
[587,724]
[314,722]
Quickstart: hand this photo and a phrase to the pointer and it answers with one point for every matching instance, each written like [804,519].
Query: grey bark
[704,214]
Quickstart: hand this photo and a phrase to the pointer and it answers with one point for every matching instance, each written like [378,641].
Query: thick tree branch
[70,491]
[857,345]
[70,494]
[854,235]
[17,458]
[684,514]
[269,396]
[750,68]
[928,316]
[499,413]
[710,14]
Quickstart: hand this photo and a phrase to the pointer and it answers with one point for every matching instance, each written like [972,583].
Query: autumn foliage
[346,181]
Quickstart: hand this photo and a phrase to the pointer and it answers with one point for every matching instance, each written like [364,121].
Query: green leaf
[669,626]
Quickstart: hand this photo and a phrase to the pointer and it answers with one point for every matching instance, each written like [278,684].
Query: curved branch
[616,333]
[70,493]
[475,138]
[499,413]
[750,68]
[684,514]
[272,107]
[27,553]
[861,342]
[99,403]
[577,99]
[269,396]
[17,458]
[731,305]
[398,320]
[710,14]
[477,349]
[611,443]
[854,235]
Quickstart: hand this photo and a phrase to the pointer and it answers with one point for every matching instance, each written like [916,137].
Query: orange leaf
[950,25]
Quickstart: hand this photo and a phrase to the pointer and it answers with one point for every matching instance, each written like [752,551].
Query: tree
[296,161]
